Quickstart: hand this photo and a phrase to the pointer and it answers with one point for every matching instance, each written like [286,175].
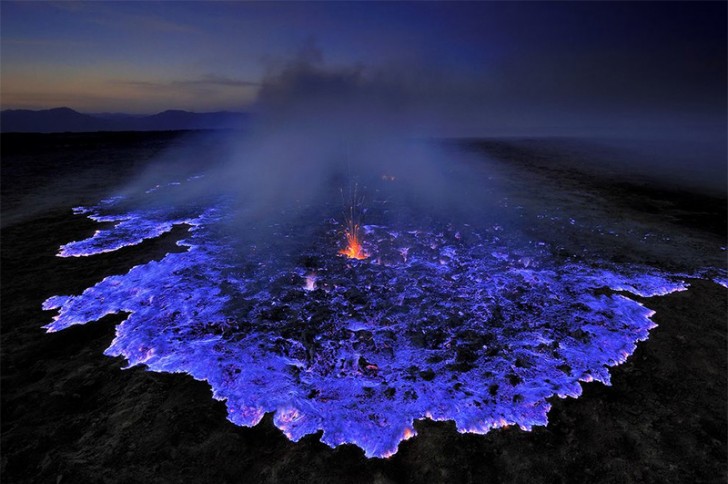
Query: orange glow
[354,249]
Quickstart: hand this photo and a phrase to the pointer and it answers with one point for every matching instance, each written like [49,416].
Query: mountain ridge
[64,119]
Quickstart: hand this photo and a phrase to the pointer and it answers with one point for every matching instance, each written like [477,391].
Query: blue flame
[440,323]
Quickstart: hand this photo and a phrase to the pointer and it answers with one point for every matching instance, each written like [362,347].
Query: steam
[319,131]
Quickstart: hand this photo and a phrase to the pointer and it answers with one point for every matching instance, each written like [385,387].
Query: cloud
[353,98]
[205,81]
[44,43]
[212,80]
[203,93]
[110,16]
[70,5]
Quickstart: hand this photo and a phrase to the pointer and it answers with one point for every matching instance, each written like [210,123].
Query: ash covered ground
[69,413]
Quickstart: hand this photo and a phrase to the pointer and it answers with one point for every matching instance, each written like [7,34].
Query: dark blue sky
[519,62]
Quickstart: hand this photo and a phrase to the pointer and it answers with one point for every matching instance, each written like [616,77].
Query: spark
[354,248]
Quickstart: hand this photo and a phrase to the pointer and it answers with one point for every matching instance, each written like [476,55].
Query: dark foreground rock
[70,414]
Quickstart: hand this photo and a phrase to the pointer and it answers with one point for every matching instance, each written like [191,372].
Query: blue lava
[438,323]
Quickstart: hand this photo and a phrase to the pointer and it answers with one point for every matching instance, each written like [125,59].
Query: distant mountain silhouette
[117,115]
[175,120]
[61,120]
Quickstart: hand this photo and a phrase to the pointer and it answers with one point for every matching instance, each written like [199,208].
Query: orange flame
[354,249]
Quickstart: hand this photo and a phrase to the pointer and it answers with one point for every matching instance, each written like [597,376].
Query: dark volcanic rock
[69,414]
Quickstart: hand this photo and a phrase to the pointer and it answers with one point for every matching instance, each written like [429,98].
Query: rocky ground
[71,414]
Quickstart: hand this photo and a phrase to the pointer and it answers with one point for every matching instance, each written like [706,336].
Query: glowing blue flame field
[438,323]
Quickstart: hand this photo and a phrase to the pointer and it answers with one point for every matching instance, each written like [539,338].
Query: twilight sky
[520,65]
